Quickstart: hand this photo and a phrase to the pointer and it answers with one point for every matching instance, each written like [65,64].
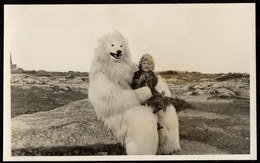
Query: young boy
[146,77]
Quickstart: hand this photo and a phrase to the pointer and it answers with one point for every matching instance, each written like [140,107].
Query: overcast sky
[208,38]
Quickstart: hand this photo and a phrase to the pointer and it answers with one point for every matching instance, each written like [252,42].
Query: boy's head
[146,63]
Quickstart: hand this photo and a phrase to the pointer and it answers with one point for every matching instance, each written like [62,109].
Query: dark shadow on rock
[180,104]
[97,149]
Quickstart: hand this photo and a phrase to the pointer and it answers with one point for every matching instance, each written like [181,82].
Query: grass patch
[238,107]
[28,101]
[232,142]
[223,134]
[97,149]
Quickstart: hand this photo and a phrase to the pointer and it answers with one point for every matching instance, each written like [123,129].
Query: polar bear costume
[119,107]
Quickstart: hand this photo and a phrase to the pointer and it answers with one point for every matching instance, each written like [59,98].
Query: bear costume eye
[112,44]
[121,46]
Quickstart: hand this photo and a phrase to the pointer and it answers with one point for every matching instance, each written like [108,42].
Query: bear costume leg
[169,134]
[141,136]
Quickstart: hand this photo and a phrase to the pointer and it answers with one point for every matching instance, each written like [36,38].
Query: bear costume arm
[109,98]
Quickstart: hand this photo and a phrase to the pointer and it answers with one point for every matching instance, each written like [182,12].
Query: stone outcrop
[58,83]
[212,89]
[74,124]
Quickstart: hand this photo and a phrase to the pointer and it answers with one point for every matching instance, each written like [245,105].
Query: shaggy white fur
[119,107]
[169,135]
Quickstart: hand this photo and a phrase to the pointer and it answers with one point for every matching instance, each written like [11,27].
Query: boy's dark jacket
[150,81]
[157,101]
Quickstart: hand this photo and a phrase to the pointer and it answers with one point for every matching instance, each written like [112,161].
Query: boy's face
[146,66]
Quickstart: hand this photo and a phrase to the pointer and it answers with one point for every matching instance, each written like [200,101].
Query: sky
[207,38]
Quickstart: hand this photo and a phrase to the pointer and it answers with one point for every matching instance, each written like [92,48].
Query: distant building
[13,66]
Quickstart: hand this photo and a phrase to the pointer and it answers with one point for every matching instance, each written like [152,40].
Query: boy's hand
[142,78]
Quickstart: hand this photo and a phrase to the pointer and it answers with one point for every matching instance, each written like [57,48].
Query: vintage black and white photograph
[129,82]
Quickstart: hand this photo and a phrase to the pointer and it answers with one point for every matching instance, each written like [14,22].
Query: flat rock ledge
[74,124]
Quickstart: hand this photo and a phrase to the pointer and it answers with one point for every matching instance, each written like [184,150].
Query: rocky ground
[216,122]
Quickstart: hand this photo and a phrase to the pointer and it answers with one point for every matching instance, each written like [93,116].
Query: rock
[204,80]
[198,92]
[70,76]
[85,79]
[62,79]
[172,80]
[189,93]
[29,81]
[224,95]
[64,88]
[44,80]
[198,86]
[15,81]
[223,92]
[74,124]
[18,78]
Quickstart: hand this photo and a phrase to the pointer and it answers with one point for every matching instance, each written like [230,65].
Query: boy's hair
[147,57]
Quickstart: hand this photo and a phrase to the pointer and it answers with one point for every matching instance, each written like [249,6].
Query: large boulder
[223,92]
[74,124]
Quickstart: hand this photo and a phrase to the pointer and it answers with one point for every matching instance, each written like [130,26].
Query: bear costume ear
[118,33]
[101,40]
[120,36]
